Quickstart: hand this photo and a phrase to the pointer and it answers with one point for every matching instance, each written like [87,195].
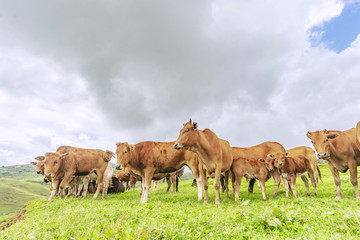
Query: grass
[20,184]
[181,216]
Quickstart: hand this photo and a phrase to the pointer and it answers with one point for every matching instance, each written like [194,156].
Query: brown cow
[214,152]
[148,158]
[292,167]
[246,162]
[340,150]
[127,177]
[77,162]
[310,154]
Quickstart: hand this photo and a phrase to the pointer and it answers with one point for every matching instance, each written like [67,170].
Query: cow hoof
[265,199]
[337,198]
[217,205]
[358,198]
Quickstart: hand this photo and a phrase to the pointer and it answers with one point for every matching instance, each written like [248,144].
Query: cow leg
[146,186]
[313,182]
[105,187]
[65,183]
[168,181]
[293,185]
[337,181]
[306,182]
[237,184]
[199,186]
[277,181]
[286,186]
[206,186]
[217,186]
[196,172]
[100,180]
[262,186]
[173,179]
[226,183]
[353,178]
[251,185]
[54,186]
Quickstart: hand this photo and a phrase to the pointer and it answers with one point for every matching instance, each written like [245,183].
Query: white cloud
[91,74]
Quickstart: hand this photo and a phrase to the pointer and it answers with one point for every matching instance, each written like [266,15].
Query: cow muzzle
[126,174]
[177,146]
[118,167]
[323,155]
[47,175]
[38,172]
[280,164]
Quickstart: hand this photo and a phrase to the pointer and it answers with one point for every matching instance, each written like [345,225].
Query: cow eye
[312,142]
[187,130]
[55,162]
[326,140]
[125,152]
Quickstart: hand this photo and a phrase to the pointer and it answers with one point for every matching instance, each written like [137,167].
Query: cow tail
[358,135]
[318,170]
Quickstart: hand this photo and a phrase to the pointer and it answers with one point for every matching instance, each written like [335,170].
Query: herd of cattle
[207,156]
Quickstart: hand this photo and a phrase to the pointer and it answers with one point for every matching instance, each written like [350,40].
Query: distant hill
[20,184]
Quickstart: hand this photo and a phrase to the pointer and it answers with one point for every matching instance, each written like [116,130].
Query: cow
[76,162]
[148,158]
[250,162]
[341,152]
[310,154]
[292,167]
[215,154]
[127,177]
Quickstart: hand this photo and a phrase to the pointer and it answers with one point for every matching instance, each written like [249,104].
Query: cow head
[320,141]
[122,175]
[123,151]
[53,162]
[108,155]
[187,136]
[269,162]
[277,159]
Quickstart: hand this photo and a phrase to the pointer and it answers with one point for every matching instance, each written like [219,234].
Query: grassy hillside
[181,216]
[20,184]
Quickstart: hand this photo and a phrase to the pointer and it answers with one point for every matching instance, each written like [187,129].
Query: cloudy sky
[93,73]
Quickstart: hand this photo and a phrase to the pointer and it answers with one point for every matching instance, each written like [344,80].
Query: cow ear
[40,158]
[308,134]
[261,160]
[332,136]
[194,126]
[190,121]
[324,130]
[132,147]
[117,144]
[287,154]
[62,156]
[33,163]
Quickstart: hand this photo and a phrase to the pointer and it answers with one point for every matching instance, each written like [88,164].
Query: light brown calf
[292,167]
[215,153]
[76,162]
[148,158]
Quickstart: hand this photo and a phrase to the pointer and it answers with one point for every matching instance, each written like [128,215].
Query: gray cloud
[92,73]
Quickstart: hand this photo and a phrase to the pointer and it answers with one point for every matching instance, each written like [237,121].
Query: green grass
[181,216]
[20,184]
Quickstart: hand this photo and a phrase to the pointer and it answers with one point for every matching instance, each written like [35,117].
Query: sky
[94,73]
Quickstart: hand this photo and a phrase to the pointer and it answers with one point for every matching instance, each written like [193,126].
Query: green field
[20,184]
[181,216]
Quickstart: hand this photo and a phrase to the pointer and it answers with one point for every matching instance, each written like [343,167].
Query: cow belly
[82,173]
[250,176]
[288,175]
